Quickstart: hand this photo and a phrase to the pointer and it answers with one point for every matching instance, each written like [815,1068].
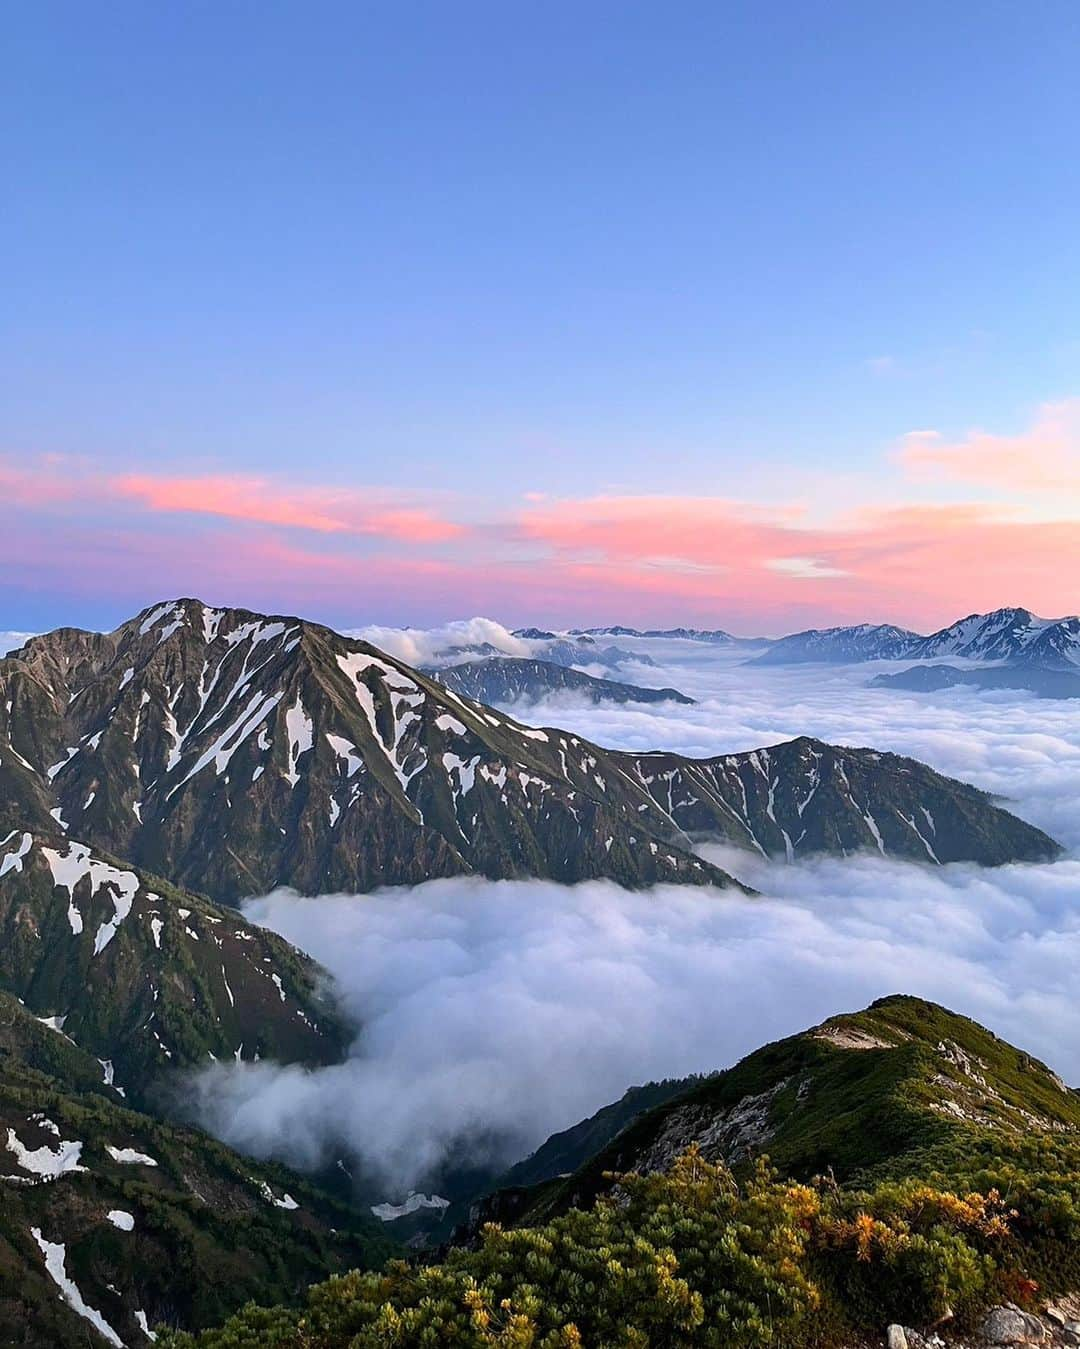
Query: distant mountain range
[930,678]
[507,679]
[233,752]
[713,636]
[554,648]
[1013,636]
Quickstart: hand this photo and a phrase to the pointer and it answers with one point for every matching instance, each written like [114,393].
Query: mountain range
[233,752]
[508,679]
[712,636]
[1012,635]
[199,751]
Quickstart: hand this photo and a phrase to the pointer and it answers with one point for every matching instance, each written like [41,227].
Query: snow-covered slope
[1006,635]
[112,1221]
[234,752]
[146,977]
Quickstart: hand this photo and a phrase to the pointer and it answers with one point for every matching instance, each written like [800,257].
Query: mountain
[112,1221]
[1012,635]
[555,648]
[806,798]
[1015,636]
[507,679]
[146,977]
[839,646]
[863,1095]
[1044,683]
[233,753]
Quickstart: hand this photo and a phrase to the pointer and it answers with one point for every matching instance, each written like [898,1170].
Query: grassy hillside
[921,1168]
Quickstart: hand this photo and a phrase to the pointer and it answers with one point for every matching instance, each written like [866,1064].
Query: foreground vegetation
[694,1257]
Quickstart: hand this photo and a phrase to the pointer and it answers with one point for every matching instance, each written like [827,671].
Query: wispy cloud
[1043,458]
[655,558]
[804,568]
[296,506]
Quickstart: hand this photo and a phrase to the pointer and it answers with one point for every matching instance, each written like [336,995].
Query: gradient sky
[729,314]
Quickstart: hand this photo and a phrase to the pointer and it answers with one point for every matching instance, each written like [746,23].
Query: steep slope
[145,977]
[873,1093]
[805,797]
[509,679]
[111,1221]
[234,753]
[562,1153]
[839,646]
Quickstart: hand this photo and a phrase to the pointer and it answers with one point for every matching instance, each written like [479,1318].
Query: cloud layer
[496,1013]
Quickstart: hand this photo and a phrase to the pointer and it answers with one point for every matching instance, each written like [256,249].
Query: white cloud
[496,1013]
[421,646]
[804,568]
[11,641]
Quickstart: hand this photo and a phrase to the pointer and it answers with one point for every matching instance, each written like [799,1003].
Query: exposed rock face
[1010,1325]
[731,1135]
[233,753]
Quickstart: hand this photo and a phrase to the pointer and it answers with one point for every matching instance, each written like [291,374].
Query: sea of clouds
[493,1014]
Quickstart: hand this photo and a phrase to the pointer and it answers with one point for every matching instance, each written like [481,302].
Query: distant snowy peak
[1012,635]
[837,646]
[1006,634]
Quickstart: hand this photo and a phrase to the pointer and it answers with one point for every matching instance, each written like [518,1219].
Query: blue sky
[475,251]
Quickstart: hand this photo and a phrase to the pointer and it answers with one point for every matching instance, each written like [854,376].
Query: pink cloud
[357,554]
[1045,457]
[324,510]
[920,565]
